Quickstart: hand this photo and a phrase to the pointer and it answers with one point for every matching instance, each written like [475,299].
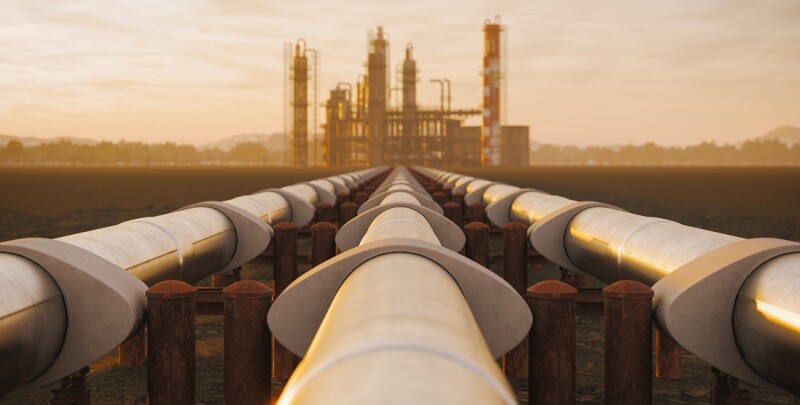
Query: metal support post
[628,343]
[551,360]
[170,343]
[247,351]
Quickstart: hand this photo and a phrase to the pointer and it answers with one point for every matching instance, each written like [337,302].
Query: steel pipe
[762,319]
[399,329]
[187,245]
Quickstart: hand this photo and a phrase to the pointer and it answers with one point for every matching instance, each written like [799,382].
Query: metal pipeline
[733,302]
[186,245]
[398,328]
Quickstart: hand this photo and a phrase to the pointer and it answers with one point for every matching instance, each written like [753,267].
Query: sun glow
[779,315]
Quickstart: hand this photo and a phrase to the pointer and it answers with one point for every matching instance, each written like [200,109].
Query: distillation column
[490,131]
[409,103]
[376,102]
[300,104]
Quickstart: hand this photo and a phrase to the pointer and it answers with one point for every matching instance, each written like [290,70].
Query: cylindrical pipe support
[247,352]
[551,359]
[284,273]
[477,243]
[171,343]
[628,314]
[323,242]
[515,272]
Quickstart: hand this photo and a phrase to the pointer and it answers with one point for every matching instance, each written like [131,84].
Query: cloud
[182,56]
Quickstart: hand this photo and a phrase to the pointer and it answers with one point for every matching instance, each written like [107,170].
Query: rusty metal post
[725,390]
[324,211]
[668,357]
[458,198]
[453,212]
[61,394]
[170,343]
[515,272]
[628,343]
[323,242]
[79,389]
[342,198]
[347,211]
[225,279]
[284,272]
[476,213]
[551,359]
[132,352]
[439,198]
[448,194]
[476,247]
[353,191]
[247,351]
[361,198]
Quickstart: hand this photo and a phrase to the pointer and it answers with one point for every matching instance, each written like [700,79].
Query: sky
[580,72]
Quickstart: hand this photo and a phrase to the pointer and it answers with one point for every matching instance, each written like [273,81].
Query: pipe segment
[733,302]
[398,319]
[39,306]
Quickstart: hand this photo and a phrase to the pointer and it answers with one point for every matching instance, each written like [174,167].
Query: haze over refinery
[579,72]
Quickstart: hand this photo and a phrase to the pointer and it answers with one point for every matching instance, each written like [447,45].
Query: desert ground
[56,201]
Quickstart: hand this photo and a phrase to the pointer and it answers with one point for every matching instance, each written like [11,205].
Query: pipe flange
[253,236]
[411,183]
[302,210]
[476,196]
[461,189]
[423,199]
[498,211]
[448,233]
[547,234]
[323,195]
[85,279]
[694,304]
[339,187]
[503,316]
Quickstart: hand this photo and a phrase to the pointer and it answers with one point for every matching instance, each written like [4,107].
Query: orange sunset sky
[580,72]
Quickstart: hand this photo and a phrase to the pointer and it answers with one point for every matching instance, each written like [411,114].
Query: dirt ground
[747,202]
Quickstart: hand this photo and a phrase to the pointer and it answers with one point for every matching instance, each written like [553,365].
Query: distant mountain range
[272,141]
[786,134]
[30,141]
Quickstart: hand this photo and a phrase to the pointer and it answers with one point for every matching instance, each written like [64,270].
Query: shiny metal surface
[766,321]
[476,184]
[497,191]
[304,191]
[184,245]
[615,245]
[187,245]
[399,330]
[531,207]
[399,196]
[400,223]
[33,321]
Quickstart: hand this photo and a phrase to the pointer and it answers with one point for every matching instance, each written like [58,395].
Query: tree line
[707,153]
[136,153]
[169,153]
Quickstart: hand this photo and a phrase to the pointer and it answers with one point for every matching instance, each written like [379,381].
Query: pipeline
[66,302]
[399,316]
[733,302]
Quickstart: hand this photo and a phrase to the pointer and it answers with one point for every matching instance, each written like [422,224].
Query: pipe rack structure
[66,302]
[399,316]
[732,302]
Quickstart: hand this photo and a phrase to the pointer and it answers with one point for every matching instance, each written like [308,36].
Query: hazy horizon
[582,73]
